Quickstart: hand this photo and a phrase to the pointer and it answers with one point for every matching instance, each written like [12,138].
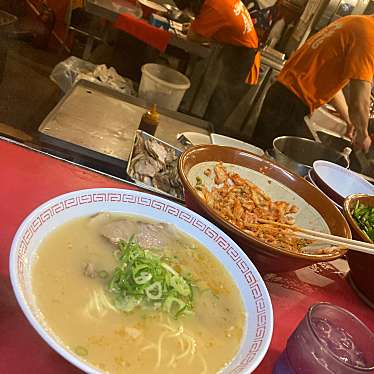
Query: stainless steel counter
[102,120]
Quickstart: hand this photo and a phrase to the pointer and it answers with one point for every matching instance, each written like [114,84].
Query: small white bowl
[311,179]
[231,142]
[338,182]
[54,213]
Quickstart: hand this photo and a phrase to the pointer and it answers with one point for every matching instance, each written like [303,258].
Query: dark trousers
[3,56]
[282,113]
[233,66]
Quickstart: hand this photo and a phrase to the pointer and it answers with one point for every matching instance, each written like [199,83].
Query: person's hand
[362,141]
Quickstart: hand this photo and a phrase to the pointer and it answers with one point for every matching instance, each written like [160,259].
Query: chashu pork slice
[147,235]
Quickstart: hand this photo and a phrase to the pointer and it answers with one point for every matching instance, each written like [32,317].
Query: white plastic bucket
[163,86]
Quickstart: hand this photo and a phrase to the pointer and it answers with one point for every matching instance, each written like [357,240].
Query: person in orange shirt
[228,23]
[341,54]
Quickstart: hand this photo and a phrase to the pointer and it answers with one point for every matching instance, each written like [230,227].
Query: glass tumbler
[328,340]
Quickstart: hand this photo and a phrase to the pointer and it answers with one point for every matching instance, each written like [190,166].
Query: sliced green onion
[154,291]
[364,216]
[127,303]
[117,254]
[81,351]
[143,277]
[174,306]
[103,274]
[180,285]
[137,268]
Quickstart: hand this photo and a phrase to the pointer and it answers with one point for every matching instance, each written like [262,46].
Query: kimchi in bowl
[282,195]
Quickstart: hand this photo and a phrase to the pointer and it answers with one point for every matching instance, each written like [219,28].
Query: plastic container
[163,86]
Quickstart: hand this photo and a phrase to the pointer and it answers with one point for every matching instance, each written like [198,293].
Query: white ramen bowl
[54,213]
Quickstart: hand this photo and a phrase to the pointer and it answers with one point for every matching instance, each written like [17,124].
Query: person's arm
[341,106]
[359,109]
[276,33]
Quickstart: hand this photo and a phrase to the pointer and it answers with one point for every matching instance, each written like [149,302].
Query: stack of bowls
[337,182]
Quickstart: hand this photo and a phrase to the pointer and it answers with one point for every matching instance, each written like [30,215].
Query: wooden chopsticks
[351,244]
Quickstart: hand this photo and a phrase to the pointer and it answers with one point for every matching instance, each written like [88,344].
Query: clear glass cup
[328,340]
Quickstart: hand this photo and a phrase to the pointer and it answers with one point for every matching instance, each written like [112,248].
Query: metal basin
[298,154]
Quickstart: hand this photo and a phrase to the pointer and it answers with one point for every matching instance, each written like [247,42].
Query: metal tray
[98,120]
[138,182]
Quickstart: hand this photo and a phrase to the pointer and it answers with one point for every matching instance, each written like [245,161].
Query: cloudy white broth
[129,295]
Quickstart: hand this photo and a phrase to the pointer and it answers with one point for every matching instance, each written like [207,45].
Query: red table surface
[29,178]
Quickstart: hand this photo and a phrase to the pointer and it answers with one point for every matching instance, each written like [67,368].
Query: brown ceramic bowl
[267,258]
[361,264]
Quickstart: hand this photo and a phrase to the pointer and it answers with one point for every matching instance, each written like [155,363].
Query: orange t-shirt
[326,63]
[228,22]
